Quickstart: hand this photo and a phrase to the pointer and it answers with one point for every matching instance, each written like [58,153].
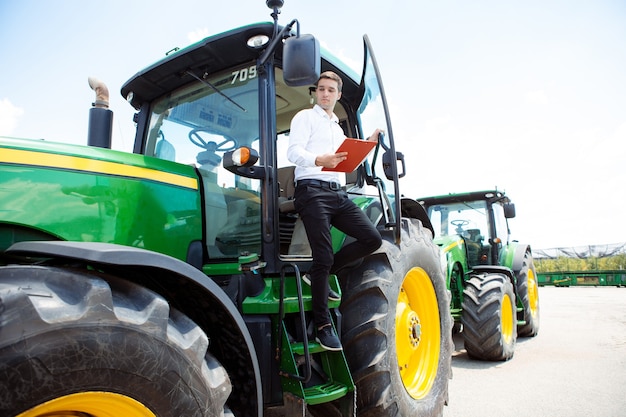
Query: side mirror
[301,60]
[387,164]
[509,210]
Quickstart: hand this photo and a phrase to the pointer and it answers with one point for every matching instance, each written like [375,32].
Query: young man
[320,201]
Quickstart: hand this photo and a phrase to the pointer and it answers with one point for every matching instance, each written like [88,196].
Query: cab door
[372,114]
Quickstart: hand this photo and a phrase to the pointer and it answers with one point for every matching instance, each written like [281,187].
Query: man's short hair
[331,76]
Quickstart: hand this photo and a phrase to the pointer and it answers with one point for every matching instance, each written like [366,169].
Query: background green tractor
[166,282]
[492,279]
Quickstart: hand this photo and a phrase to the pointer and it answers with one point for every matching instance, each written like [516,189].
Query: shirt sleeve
[299,135]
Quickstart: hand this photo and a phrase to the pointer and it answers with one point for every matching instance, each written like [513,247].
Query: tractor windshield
[195,125]
[468,219]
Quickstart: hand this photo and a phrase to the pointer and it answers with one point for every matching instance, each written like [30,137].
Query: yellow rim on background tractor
[506,319]
[418,335]
[93,404]
[533,293]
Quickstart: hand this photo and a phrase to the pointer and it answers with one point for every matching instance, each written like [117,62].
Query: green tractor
[492,280]
[166,281]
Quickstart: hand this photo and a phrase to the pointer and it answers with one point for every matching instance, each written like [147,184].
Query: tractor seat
[287,189]
[474,236]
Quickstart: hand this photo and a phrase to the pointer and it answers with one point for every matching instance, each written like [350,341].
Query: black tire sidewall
[102,354]
[482,315]
[111,359]
[531,328]
[373,360]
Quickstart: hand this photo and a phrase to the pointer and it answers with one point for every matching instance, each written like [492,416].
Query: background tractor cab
[479,220]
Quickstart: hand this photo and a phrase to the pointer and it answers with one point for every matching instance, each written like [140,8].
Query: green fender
[453,252]
[513,256]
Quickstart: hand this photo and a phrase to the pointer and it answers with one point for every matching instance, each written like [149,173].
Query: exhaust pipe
[100,117]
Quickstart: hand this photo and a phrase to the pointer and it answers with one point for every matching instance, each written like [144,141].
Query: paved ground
[575,367]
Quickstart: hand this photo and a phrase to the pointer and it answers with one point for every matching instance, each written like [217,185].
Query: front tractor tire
[489,317]
[76,342]
[397,331]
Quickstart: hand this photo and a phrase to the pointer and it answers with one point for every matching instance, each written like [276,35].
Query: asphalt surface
[574,367]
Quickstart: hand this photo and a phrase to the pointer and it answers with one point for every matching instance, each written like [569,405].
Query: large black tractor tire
[489,317]
[74,342]
[397,329]
[528,293]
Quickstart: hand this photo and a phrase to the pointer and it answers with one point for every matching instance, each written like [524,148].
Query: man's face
[327,93]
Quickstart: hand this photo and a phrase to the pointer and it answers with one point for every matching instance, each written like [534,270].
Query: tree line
[564,263]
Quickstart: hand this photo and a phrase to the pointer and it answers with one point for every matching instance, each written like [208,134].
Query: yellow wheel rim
[93,404]
[533,293]
[418,336]
[507,319]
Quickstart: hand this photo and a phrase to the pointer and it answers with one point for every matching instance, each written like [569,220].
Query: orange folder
[357,149]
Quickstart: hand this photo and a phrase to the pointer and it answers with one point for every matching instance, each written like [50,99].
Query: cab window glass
[196,125]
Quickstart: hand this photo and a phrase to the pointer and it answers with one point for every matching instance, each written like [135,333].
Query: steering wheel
[224,146]
[459,224]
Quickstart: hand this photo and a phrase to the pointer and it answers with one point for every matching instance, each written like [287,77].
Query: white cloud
[8,116]
[536,97]
[440,121]
[620,133]
[198,35]
[355,64]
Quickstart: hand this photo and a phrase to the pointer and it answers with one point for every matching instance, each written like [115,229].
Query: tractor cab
[207,111]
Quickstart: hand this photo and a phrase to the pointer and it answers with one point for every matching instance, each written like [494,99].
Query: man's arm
[299,134]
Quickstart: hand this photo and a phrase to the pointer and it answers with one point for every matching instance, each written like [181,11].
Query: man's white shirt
[313,132]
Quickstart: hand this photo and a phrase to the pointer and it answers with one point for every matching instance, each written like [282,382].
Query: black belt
[332,185]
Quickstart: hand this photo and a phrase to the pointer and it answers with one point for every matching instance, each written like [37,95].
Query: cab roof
[214,54]
[487,195]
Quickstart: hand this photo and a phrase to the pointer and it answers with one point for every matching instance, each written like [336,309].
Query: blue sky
[528,96]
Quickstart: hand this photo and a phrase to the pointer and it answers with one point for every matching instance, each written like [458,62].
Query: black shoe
[328,339]
[332,295]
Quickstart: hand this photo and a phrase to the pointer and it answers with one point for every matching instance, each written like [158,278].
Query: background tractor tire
[489,317]
[396,329]
[76,342]
[528,292]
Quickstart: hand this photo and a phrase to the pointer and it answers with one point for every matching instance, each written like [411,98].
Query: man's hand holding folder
[350,154]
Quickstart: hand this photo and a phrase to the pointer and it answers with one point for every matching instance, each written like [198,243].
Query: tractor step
[314,347]
[307,370]
[324,393]
[320,377]
[268,301]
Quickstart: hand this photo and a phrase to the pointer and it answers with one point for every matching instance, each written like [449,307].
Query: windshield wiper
[203,81]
